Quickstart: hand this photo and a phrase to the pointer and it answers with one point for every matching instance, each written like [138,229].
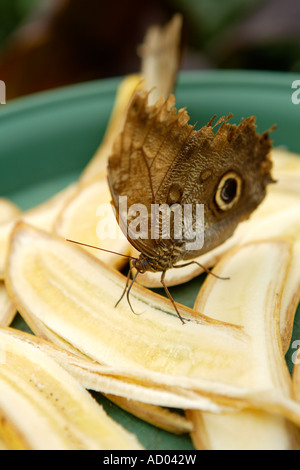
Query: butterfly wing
[160,54]
[161,159]
[152,138]
[227,170]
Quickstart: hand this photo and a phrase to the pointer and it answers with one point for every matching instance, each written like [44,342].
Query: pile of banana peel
[225,368]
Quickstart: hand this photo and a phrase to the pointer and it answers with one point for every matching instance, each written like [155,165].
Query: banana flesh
[251,429]
[44,407]
[88,218]
[7,308]
[71,297]
[8,210]
[42,216]
[286,170]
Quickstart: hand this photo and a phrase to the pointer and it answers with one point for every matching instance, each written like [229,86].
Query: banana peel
[290,298]
[7,308]
[285,160]
[103,287]
[244,430]
[8,210]
[282,223]
[88,218]
[43,407]
[287,170]
[158,416]
[96,168]
[42,216]
[251,429]
[163,418]
[150,356]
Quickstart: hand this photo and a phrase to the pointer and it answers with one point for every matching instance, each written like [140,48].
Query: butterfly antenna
[102,249]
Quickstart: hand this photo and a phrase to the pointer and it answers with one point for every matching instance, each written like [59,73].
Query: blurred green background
[50,43]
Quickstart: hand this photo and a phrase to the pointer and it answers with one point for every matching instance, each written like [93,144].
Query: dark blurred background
[50,43]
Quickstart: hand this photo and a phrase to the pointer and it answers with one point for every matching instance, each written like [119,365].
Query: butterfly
[160,160]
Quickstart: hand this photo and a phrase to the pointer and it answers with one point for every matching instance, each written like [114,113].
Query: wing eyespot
[229,191]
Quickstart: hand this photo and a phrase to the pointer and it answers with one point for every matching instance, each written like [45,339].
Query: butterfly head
[141,264]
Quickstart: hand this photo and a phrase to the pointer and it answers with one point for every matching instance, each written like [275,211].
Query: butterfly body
[166,258]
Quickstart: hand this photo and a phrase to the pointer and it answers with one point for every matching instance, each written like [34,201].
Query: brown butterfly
[159,160]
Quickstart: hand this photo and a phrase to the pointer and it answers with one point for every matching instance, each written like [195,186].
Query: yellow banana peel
[7,308]
[88,218]
[43,407]
[286,170]
[42,216]
[158,416]
[253,429]
[68,296]
[96,168]
[8,210]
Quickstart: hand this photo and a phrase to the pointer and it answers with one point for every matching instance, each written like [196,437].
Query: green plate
[47,139]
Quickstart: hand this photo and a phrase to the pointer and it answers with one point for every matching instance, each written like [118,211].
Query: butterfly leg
[162,280]
[128,291]
[125,288]
[208,271]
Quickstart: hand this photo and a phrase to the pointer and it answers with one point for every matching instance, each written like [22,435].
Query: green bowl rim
[186,79]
